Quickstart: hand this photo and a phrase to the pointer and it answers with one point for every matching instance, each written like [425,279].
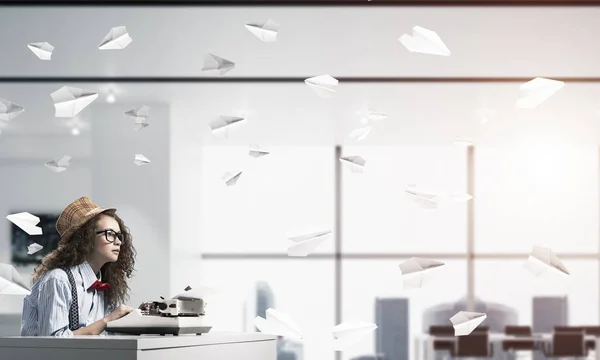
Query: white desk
[210,346]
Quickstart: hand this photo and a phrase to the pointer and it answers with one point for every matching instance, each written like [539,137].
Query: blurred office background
[533,174]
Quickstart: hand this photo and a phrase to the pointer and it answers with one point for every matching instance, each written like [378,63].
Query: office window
[302,289]
[379,217]
[289,190]
[365,281]
[536,195]
[540,202]
[507,282]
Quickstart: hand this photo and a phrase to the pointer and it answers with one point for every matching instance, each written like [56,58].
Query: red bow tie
[99,286]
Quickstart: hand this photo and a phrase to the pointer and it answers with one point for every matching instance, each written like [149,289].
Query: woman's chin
[113,257]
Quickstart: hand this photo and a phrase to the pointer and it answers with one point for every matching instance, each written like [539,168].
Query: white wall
[109,178]
[140,194]
[26,185]
[185,198]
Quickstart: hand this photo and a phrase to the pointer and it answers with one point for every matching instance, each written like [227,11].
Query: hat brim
[64,238]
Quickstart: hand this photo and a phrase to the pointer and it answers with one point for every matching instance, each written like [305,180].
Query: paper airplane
[424,41]
[9,110]
[231,178]
[116,39]
[256,152]
[187,288]
[348,334]
[33,248]
[267,31]
[69,101]
[11,282]
[461,197]
[373,115]
[307,243]
[356,164]
[140,160]
[415,270]
[278,323]
[58,165]
[42,50]
[220,127]
[542,260]
[139,116]
[214,62]
[26,222]
[424,200]
[137,126]
[324,85]
[536,91]
[360,133]
[464,322]
[369,115]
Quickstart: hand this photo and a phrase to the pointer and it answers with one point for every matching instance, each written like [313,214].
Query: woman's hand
[119,313]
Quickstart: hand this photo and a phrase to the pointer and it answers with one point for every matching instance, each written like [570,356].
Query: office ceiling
[342,42]
[358,42]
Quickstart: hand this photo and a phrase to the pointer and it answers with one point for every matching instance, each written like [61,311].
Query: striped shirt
[46,309]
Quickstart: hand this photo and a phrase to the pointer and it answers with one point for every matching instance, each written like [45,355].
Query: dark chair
[569,329]
[592,330]
[517,330]
[481,329]
[527,344]
[588,330]
[567,344]
[475,344]
[443,331]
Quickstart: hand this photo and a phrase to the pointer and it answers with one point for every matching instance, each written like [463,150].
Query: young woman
[81,286]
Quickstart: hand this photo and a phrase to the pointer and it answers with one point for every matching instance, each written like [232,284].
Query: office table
[210,346]
[424,342]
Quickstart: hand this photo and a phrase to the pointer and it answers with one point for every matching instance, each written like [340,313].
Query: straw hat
[75,215]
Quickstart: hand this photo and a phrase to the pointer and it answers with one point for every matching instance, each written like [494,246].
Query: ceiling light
[75,131]
[110,98]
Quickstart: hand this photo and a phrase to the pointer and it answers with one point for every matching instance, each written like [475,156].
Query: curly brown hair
[77,248]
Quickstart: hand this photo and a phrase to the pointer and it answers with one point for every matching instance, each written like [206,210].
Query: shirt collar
[87,274]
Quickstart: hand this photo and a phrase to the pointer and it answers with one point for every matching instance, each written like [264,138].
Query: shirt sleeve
[53,308]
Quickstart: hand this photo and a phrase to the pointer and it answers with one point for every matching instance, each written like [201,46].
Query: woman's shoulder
[58,275]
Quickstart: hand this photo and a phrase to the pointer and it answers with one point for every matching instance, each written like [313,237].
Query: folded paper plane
[415,270]
[26,222]
[464,322]
[424,41]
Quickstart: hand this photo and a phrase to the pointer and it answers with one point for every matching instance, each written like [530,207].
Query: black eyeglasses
[111,235]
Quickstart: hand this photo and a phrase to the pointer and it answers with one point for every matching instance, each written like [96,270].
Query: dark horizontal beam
[330,256]
[392,256]
[197,79]
[301,3]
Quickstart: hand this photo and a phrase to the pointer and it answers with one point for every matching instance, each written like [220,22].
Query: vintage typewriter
[183,314]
